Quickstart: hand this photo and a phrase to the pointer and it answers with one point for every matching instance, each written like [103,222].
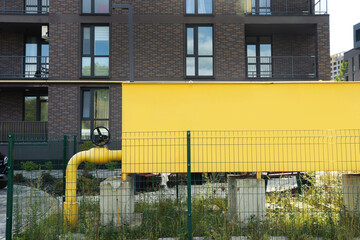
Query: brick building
[62,61]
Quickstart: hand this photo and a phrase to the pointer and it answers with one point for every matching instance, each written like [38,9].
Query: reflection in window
[259,57]
[95,51]
[199,7]
[36,62]
[36,108]
[95,6]
[95,110]
[199,54]
[261,7]
[36,6]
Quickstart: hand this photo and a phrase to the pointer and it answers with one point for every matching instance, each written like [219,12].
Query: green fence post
[75,147]
[65,161]
[298,181]
[177,187]
[189,185]
[10,184]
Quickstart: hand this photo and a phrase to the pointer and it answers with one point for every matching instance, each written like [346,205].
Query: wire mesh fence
[190,185]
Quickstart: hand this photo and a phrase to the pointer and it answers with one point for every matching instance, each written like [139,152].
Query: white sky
[344,14]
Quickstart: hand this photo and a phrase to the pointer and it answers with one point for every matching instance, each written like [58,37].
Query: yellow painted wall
[240,127]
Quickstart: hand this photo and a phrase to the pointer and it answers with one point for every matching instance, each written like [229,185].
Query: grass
[317,212]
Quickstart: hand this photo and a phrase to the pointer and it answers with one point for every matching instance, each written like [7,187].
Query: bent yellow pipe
[94,155]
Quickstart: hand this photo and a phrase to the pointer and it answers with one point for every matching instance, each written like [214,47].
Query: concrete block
[246,198]
[117,202]
[351,192]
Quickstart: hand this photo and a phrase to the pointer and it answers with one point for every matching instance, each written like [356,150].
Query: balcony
[285,67]
[24,7]
[24,131]
[23,67]
[284,7]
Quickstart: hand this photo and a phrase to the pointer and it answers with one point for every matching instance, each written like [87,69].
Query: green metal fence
[187,205]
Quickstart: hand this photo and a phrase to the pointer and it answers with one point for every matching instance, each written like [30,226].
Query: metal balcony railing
[21,67]
[24,131]
[283,7]
[284,67]
[24,7]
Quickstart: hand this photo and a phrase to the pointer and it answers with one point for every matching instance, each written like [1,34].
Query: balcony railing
[288,67]
[283,7]
[24,7]
[20,67]
[24,131]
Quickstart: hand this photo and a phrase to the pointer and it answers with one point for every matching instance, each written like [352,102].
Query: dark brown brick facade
[64,51]
[65,7]
[294,55]
[229,52]
[115,125]
[12,5]
[119,55]
[159,52]
[323,51]
[11,107]
[64,106]
[11,50]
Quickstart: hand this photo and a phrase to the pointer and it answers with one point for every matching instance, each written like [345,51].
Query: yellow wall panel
[241,127]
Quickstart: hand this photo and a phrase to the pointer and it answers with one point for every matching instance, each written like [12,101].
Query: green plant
[49,166]
[87,145]
[111,166]
[29,166]
[88,186]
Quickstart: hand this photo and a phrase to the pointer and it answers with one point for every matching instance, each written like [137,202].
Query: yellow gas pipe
[95,155]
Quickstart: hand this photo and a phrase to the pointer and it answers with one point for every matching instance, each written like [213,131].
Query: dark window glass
[259,57]
[95,110]
[357,35]
[36,108]
[199,51]
[95,6]
[95,52]
[199,7]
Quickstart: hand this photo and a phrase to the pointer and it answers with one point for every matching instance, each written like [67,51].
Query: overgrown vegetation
[317,212]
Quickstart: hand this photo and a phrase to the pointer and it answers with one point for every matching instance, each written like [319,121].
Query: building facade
[336,61]
[62,62]
[353,57]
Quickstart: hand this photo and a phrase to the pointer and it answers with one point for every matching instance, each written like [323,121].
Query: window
[199,51]
[37,6]
[259,57]
[95,6]
[199,6]
[36,108]
[357,35]
[261,7]
[95,51]
[95,110]
[36,61]
[353,64]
